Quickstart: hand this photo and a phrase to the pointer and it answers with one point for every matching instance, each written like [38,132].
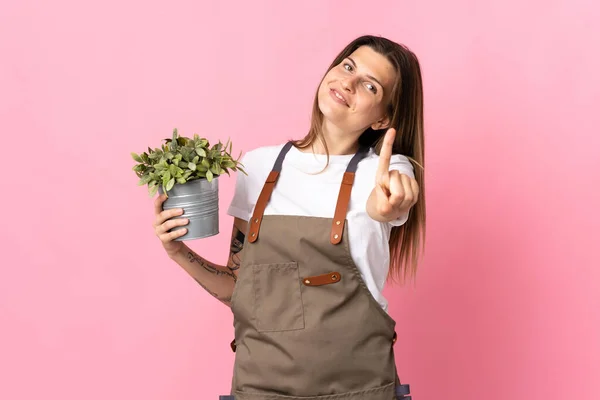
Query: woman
[319,224]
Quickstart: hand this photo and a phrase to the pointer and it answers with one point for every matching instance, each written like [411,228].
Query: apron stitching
[297,290]
[341,396]
[350,263]
[254,282]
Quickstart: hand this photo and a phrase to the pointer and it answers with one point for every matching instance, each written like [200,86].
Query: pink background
[507,300]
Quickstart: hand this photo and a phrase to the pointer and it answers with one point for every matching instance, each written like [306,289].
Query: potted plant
[187,170]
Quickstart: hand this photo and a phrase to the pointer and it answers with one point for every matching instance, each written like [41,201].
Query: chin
[331,115]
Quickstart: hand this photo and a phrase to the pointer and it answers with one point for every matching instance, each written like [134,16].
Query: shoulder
[261,157]
[262,154]
[259,161]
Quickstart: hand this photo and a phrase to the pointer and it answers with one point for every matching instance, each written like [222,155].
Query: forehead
[370,62]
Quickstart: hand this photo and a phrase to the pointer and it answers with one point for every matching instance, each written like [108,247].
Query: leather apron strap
[339,219]
[341,209]
[265,194]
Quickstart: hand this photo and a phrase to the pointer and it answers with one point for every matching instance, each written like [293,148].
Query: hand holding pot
[164,222]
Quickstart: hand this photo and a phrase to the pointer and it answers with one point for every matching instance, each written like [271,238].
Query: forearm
[217,280]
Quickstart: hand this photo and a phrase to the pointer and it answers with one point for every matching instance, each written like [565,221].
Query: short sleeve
[403,165]
[240,204]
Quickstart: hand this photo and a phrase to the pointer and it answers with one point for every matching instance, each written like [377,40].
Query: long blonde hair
[406,112]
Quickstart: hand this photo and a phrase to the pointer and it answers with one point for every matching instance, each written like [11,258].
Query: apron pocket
[277,297]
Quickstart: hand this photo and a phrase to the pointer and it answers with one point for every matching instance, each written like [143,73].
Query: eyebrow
[368,76]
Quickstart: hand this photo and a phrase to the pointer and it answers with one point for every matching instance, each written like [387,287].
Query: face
[354,94]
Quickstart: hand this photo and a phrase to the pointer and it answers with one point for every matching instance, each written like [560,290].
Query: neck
[338,141]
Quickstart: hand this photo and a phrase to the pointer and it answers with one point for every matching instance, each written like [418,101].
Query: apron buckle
[403,392]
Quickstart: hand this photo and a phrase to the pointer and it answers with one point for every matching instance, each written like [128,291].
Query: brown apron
[306,325]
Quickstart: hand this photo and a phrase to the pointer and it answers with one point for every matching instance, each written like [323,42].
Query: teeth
[338,96]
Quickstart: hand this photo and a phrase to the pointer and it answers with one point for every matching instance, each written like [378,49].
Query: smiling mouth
[338,97]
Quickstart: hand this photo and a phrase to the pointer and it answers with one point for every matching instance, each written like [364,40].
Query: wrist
[178,252]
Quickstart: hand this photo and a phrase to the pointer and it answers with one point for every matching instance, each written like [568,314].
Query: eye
[371,87]
[348,67]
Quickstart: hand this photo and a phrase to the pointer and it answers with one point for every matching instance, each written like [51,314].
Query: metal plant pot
[199,200]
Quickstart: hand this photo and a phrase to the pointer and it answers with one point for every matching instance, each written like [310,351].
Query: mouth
[339,97]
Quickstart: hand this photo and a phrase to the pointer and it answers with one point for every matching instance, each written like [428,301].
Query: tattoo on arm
[225,300]
[194,258]
[237,245]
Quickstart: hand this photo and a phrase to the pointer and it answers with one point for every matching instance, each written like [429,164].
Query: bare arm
[218,280]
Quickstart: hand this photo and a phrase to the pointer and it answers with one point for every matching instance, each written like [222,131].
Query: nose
[349,83]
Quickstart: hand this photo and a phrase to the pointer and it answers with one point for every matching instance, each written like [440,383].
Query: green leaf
[209,176]
[192,166]
[196,159]
[205,163]
[181,181]
[215,169]
[173,170]
[200,151]
[144,180]
[136,157]
[183,164]
[152,190]
[170,184]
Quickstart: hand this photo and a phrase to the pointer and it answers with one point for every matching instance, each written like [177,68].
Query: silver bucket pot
[200,202]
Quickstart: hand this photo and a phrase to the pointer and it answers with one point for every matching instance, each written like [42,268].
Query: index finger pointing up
[386,154]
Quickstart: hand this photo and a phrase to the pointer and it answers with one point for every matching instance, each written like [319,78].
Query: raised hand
[394,193]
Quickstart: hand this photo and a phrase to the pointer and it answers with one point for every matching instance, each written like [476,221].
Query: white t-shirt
[302,191]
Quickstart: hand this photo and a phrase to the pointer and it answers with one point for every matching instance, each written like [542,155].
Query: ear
[382,123]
